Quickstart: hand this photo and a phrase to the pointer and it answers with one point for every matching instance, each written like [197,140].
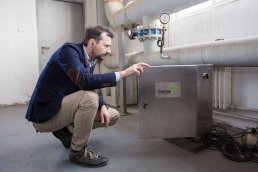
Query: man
[64,101]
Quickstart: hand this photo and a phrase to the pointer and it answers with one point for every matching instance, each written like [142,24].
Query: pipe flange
[149,33]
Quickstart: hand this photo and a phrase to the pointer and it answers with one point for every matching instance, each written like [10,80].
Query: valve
[137,31]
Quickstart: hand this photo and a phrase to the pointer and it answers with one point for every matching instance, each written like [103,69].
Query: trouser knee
[89,99]
[114,116]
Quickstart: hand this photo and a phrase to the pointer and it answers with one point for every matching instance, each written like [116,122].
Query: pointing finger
[143,64]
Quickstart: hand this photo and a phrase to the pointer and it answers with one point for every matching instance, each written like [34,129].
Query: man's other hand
[104,116]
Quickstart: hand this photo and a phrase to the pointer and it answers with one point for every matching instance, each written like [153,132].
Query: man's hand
[104,116]
[136,69]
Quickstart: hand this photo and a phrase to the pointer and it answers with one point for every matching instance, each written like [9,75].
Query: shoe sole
[88,165]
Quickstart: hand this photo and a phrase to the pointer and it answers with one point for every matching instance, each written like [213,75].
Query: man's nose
[108,50]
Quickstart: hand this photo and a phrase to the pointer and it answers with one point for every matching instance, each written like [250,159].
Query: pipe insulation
[239,52]
[112,6]
[134,11]
[112,62]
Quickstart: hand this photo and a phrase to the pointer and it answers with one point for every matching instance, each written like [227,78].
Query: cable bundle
[219,139]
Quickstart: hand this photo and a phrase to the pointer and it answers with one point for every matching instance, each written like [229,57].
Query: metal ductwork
[239,52]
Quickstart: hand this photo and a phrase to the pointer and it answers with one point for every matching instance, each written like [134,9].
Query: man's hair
[95,33]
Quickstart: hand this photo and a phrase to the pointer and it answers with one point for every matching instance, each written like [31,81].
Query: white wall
[18,52]
[245,87]
[237,18]
[229,20]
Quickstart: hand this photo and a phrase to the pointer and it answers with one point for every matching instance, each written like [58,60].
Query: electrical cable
[219,139]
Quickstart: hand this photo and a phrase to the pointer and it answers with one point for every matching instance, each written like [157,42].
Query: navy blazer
[67,71]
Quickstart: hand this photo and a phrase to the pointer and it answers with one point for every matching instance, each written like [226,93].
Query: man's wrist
[122,74]
[105,106]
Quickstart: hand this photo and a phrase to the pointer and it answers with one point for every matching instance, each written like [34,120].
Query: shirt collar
[91,62]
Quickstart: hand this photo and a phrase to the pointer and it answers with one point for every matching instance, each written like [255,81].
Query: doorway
[58,22]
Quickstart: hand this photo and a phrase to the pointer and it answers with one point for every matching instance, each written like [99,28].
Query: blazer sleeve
[101,102]
[70,62]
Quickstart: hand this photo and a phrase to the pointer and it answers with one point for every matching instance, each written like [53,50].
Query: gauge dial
[164,18]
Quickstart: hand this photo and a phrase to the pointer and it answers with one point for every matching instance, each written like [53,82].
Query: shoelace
[90,153]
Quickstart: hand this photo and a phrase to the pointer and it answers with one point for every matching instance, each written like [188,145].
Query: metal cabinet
[175,101]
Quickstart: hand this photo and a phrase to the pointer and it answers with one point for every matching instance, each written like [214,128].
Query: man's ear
[92,42]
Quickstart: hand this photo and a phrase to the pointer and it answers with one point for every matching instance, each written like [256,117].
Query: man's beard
[100,57]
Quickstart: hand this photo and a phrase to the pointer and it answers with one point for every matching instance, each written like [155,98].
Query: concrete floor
[24,150]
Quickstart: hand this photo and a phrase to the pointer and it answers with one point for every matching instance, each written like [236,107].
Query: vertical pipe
[121,41]
[111,7]
[224,87]
[215,92]
[150,44]
[228,87]
[219,88]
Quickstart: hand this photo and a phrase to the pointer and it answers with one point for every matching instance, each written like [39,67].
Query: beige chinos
[79,111]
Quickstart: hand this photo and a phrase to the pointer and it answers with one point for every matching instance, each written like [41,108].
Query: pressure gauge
[164,18]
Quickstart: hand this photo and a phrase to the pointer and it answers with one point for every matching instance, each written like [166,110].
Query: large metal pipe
[112,62]
[239,52]
[134,11]
[111,7]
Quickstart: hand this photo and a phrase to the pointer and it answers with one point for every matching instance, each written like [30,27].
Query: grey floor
[24,150]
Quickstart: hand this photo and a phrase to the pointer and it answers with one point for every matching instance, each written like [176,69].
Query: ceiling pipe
[135,10]
[239,52]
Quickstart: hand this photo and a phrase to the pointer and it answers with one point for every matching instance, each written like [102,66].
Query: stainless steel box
[175,101]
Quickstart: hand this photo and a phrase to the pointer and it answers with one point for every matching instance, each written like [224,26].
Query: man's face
[102,48]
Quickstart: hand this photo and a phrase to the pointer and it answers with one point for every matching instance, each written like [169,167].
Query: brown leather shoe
[87,157]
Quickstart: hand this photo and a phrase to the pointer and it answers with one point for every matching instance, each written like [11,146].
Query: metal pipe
[135,10]
[112,62]
[121,41]
[150,44]
[239,52]
[112,6]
